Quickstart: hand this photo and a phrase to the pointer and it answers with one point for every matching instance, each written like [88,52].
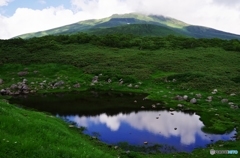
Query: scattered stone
[172,113]
[224,100]
[198,95]
[109,80]
[180,105]
[25,80]
[153,106]
[130,85]
[230,103]
[3,91]
[22,73]
[71,126]
[157,117]
[95,79]
[175,128]
[13,86]
[233,94]
[174,80]
[115,147]
[215,90]
[135,101]
[136,86]
[142,107]
[1,81]
[58,84]
[145,142]
[158,104]
[171,109]
[178,97]
[193,101]
[185,97]
[121,82]
[76,85]
[209,97]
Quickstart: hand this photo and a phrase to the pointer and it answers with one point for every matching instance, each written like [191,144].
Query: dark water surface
[117,117]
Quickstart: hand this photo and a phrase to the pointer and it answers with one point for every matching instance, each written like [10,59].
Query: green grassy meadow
[193,70]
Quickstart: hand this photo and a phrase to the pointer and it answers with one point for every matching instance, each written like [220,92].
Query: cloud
[42,1]
[219,14]
[4,2]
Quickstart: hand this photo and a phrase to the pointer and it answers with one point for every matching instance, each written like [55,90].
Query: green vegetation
[162,67]
[137,24]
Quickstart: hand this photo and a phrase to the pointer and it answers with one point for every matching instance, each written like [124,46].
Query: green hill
[137,24]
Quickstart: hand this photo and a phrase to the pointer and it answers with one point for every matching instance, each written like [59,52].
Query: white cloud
[4,2]
[219,14]
[42,1]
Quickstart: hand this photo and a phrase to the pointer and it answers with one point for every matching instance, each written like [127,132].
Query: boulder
[13,86]
[198,95]
[22,73]
[185,97]
[224,100]
[193,101]
[76,85]
[58,84]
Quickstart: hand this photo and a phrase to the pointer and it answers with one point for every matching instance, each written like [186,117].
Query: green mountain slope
[137,24]
[137,29]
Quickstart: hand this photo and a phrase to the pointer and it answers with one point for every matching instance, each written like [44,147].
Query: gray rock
[180,105]
[109,80]
[130,85]
[76,85]
[3,91]
[185,97]
[198,95]
[58,84]
[136,86]
[95,79]
[1,81]
[13,86]
[224,100]
[25,80]
[209,97]
[193,101]
[22,73]
[178,97]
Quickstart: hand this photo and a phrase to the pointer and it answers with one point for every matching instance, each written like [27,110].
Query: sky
[24,16]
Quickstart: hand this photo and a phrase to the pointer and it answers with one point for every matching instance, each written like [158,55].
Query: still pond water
[117,117]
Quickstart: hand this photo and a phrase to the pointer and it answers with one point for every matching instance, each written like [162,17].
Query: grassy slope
[136,29]
[196,70]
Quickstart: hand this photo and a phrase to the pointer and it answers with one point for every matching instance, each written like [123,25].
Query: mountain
[137,24]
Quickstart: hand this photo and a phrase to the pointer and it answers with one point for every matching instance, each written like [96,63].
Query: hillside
[148,25]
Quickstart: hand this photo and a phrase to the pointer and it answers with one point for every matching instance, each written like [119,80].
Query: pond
[124,117]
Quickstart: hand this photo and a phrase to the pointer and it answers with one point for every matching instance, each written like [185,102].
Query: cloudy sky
[24,16]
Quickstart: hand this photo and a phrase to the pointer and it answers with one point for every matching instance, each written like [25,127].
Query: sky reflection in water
[136,128]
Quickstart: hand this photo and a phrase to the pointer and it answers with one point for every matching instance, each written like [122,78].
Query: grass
[198,70]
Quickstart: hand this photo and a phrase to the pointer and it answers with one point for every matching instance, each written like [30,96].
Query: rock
[180,105]
[130,85]
[209,97]
[193,101]
[158,104]
[145,142]
[35,71]
[233,94]
[153,106]
[1,81]
[175,128]
[115,147]
[172,113]
[76,85]
[109,80]
[121,82]
[13,86]
[178,97]
[71,126]
[171,109]
[3,91]
[135,101]
[59,83]
[136,86]
[215,90]
[142,107]
[95,79]
[224,100]
[22,73]
[174,80]
[157,117]
[230,103]
[198,95]
[185,97]
[25,80]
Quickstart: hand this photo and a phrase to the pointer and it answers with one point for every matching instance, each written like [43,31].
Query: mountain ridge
[118,21]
